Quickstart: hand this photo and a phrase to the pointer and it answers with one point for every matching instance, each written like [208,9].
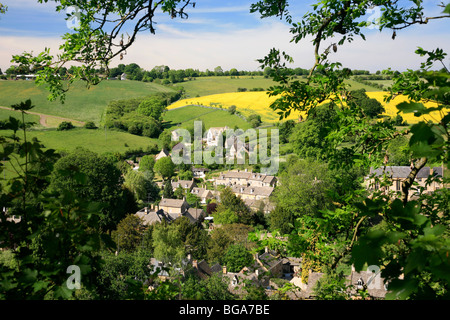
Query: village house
[185,184]
[263,205]
[163,153]
[397,174]
[245,178]
[199,172]
[252,193]
[213,135]
[203,193]
[169,210]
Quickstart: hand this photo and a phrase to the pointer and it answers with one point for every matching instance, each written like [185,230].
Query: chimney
[195,264]
[224,269]
[146,210]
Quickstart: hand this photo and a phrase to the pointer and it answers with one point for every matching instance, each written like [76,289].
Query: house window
[397,185]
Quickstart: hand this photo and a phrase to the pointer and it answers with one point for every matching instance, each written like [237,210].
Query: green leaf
[62,292]
[447,9]
[412,107]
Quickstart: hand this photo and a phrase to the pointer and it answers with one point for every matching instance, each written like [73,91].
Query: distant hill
[81,104]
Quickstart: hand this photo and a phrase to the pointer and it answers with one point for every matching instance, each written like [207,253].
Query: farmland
[259,103]
[208,99]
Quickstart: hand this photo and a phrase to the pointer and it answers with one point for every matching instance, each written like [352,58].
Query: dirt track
[43,118]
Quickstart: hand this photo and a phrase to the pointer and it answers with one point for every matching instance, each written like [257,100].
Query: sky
[223,33]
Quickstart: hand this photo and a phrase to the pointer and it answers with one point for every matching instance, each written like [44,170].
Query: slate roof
[194,214]
[175,203]
[152,216]
[261,191]
[186,184]
[402,172]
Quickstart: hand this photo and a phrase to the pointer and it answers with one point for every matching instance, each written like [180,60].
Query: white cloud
[181,49]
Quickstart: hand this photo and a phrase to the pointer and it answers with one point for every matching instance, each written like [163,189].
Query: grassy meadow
[216,117]
[82,103]
[97,140]
[89,104]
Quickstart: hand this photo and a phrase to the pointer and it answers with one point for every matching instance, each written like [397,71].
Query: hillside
[83,104]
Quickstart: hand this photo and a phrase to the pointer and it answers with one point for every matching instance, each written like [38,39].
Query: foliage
[168,247]
[65,125]
[165,167]
[129,233]
[332,286]
[414,241]
[225,216]
[237,257]
[371,107]
[308,138]
[234,206]
[90,125]
[122,276]
[98,180]
[168,192]
[53,226]
[147,163]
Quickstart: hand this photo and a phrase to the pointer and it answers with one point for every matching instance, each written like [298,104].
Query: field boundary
[43,117]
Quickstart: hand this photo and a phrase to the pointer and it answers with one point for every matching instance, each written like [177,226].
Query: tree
[308,138]
[233,208]
[237,257]
[99,181]
[165,167]
[254,120]
[218,71]
[400,247]
[146,163]
[56,229]
[220,241]
[65,125]
[168,190]
[168,247]
[141,184]
[152,107]
[371,107]
[129,232]
[98,40]
[90,125]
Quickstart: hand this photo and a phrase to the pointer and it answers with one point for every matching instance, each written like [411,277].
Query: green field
[185,116]
[81,103]
[213,85]
[97,140]
[89,104]
[5,114]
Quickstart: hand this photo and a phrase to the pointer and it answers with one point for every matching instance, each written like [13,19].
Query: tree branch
[407,183]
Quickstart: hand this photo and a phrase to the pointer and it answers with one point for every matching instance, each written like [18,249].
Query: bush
[90,125]
[65,125]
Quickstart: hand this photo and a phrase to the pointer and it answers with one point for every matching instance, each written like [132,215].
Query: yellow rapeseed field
[391,109]
[246,103]
[259,103]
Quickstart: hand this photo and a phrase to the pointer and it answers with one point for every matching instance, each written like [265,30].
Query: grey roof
[248,175]
[376,288]
[269,260]
[402,172]
[186,184]
[194,214]
[152,216]
[261,191]
[175,203]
